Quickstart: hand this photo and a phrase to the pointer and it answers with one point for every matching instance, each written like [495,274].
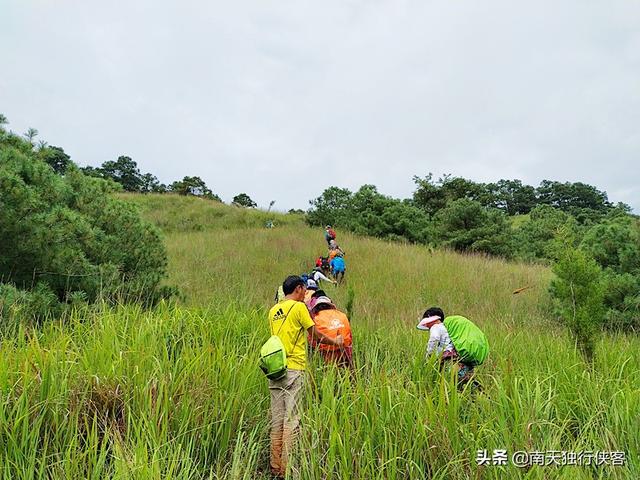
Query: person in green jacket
[455,338]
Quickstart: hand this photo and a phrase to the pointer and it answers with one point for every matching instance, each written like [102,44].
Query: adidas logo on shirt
[279,315]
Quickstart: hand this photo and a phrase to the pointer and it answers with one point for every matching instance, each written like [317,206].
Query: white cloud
[283,99]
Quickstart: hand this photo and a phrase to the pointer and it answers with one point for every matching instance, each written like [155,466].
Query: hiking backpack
[273,358]
[273,355]
[468,340]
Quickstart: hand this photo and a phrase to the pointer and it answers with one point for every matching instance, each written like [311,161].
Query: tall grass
[175,392]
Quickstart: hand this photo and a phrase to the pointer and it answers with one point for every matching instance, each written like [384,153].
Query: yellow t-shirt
[292,331]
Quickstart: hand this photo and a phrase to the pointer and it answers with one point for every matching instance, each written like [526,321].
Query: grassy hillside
[175,393]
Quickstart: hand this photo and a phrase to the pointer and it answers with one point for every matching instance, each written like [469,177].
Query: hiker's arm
[322,338]
[434,340]
[322,277]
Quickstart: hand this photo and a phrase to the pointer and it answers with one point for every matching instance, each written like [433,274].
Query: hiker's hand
[339,341]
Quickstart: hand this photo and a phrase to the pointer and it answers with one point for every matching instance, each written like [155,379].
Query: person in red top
[329,234]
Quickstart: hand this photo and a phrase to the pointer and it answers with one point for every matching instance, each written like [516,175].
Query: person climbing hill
[332,322]
[289,319]
[323,263]
[329,234]
[338,268]
[455,338]
[318,276]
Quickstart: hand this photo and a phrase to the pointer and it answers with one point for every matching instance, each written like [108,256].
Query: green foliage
[615,246]
[125,172]
[534,238]
[432,196]
[244,200]
[18,305]
[368,212]
[194,186]
[465,225]
[578,294]
[56,158]
[330,208]
[572,197]
[511,196]
[585,202]
[70,234]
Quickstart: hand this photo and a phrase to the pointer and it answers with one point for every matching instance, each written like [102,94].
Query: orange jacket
[333,323]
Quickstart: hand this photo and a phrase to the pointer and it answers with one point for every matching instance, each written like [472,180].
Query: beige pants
[286,395]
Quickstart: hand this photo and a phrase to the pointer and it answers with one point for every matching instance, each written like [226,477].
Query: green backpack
[273,355]
[469,341]
[273,358]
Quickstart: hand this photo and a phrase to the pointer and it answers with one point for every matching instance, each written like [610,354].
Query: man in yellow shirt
[289,319]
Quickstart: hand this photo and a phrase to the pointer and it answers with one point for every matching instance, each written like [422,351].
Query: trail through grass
[175,392]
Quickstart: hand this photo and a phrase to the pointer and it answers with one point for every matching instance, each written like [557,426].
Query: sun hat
[427,322]
[326,300]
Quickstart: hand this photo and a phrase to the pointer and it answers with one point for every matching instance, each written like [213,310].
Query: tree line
[571,226]
[125,173]
[67,240]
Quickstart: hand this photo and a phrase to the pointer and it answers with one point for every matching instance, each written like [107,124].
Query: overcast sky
[283,99]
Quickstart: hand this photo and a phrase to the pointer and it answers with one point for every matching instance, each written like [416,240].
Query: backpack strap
[285,319]
[295,342]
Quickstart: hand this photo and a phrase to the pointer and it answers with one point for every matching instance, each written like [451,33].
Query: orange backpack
[332,323]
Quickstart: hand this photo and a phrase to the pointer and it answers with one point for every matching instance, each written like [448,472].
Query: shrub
[70,234]
[465,225]
[578,294]
[534,239]
[615,246]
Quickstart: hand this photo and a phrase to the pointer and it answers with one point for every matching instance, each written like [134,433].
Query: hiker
[331,322]
[313,298]
[312,287]
[317,276]
[289,320]
[455,339]
[338,268]
[329,234]
[323,263]
[333,245]
[279,295]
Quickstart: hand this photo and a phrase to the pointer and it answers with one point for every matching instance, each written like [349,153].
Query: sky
[284,99]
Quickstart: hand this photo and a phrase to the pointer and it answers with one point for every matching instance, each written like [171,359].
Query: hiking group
[333,263]
[304,315]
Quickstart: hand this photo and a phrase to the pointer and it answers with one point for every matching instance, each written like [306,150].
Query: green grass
[175,392]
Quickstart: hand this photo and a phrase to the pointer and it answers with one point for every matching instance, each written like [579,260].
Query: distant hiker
[455,339]
[329,234]
[334,249]
[279,295]
[338,268]
[323,263]
[332,322]
[312,287]
[318,276]
[289,320]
